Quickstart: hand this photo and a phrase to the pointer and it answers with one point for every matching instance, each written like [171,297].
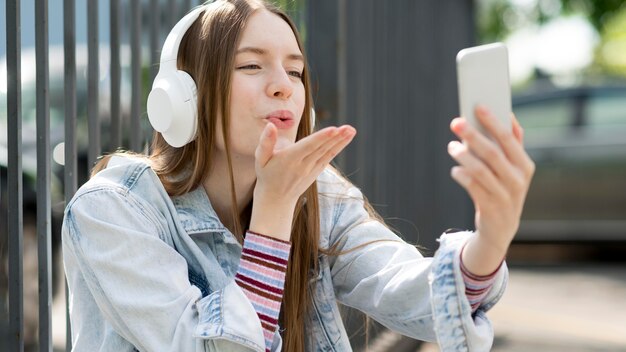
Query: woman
[234,234]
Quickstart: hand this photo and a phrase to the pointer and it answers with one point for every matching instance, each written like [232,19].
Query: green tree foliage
[290,5]
[611,52]
[598,12]
[498,18]
[295,9]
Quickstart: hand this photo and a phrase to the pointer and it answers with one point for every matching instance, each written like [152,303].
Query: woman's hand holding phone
[496,172]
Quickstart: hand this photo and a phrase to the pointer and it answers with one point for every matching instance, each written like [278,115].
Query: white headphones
[172,102]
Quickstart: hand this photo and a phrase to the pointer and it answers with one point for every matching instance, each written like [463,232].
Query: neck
[218,188]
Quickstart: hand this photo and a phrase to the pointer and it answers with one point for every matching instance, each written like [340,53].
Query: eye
[249,67]
[296,74]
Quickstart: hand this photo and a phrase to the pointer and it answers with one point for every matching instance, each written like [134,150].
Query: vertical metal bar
[116,128]
[93,69]
[44,252]
[171,14]
[70,178]
[135,125]
[155,43]
[155,24]
[14,179]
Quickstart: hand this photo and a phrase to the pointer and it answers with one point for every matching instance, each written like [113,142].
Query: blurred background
[388,68]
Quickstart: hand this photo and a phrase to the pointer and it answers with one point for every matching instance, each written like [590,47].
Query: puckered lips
[282,119]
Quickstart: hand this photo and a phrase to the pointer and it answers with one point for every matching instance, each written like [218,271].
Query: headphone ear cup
[172,107]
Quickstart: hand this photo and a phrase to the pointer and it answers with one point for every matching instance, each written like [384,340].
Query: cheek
[244,134]
[242,96]
[242,92]
[243,138]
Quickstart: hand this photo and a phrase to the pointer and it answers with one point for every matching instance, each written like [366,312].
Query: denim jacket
[151,272]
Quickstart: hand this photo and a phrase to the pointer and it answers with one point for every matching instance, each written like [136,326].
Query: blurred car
[577,138]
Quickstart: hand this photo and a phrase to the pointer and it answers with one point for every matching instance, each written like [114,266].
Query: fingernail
[454,146]
[459,175]
[458,125]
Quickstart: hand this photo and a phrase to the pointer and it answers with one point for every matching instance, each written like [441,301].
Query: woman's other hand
[496,173]
[284,172]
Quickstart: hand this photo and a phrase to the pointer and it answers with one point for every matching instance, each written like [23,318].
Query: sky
[55,24]
[561,47]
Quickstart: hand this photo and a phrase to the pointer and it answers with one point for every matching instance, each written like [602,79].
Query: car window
[29,102]
[606,111]
[539,114]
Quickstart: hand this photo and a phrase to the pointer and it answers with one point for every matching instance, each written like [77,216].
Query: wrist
[498,243]
[482,257]
[272,217]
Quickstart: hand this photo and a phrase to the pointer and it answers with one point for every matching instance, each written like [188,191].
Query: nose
[280,85]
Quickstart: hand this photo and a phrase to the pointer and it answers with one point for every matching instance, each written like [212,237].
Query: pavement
[573,307]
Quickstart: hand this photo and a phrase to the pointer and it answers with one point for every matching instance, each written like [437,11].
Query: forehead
[268,31]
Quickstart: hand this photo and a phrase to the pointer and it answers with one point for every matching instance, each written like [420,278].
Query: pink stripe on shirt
[259,282]
[477,287]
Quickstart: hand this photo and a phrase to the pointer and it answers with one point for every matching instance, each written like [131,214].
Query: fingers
[265,149]
[311,144]
[518,131]
[335,144]
[485,149]
[510,145]
[478,193]
[310,153]
[314,162]
[309,149]
[476,169]
[329,153]
[289,171]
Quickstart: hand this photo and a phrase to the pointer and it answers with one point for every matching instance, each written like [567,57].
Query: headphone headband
[169,53]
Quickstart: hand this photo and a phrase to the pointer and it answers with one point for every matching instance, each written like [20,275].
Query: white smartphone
[483,79]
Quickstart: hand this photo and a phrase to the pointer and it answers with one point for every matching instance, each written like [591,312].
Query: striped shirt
[477,287]
[261,276]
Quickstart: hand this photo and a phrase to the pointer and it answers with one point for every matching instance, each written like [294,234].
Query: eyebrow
[259,51]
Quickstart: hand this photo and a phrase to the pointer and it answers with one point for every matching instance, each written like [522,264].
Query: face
[266,85]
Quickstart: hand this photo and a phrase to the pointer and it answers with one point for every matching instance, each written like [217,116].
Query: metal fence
[388,69]
[123,16]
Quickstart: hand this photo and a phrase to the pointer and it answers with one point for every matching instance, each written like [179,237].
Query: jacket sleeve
[114,252]
[390,280]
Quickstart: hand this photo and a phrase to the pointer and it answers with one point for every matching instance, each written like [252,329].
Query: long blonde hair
[207,53]
[207,48]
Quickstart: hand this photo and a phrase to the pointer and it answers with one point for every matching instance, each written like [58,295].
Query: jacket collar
[196,212]
[194,208]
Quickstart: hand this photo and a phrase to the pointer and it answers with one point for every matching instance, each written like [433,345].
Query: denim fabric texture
[151,272]
[449,301]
